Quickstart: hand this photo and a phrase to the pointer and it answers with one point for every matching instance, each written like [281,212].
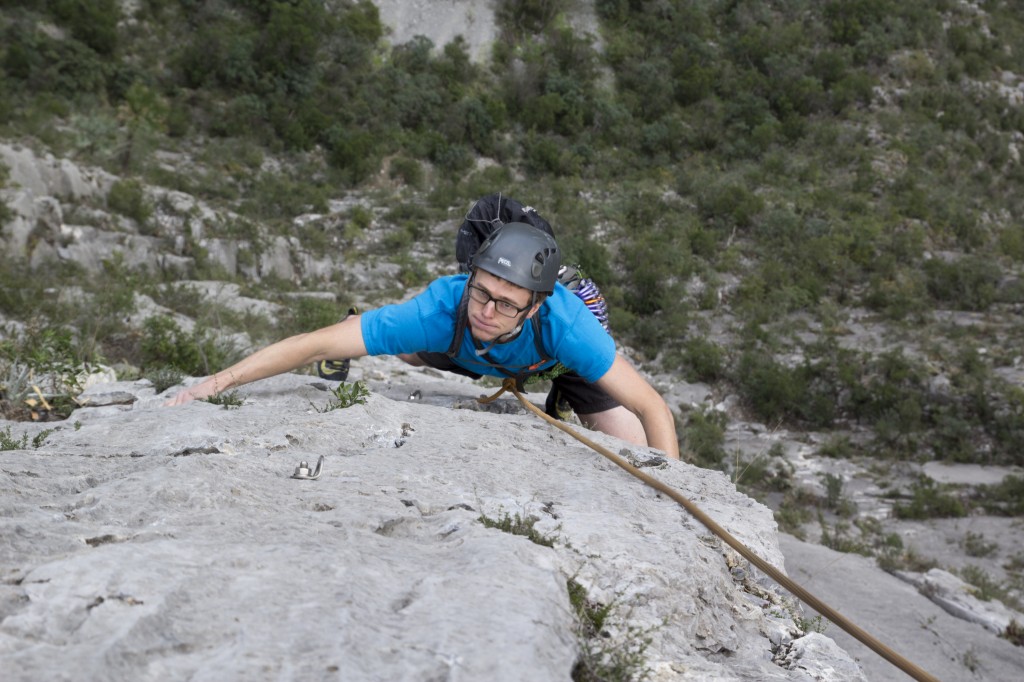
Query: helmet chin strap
[501,338]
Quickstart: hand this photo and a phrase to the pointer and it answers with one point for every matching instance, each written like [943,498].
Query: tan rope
[775,574]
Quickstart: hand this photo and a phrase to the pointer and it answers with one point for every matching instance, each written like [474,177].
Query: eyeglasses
[484,297]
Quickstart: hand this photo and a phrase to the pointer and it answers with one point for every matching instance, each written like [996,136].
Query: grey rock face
[899,614]
[957,598]
[172,543]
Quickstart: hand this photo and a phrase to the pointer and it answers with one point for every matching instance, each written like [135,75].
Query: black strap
[461,322]
[523,375]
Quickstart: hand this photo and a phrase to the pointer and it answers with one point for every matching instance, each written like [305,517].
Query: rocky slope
[48,544]
[48,485]
[144,542]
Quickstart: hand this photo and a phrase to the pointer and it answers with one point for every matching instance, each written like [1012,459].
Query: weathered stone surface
[957,598]
[898,615]
[171,543]
[473,20]
[48,176]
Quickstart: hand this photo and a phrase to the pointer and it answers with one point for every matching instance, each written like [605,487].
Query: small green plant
[163,378]
[592,614]
[41,437]
[603,658]
[9,442]
[908,560]
[986,588]
[814,624]
[794,511]
[970,660]
[346,395]
[833,489]
[1003,499]
[772,473]
[518,525]
[840,540]
[837,447]
[929,501]
[974,545]
[227,400]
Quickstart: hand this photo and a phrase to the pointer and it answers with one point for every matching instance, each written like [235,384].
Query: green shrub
[794,511]
[772,390]
[66,68]
[306,314]
[166,345]
[408,171]
[729,204]
[703,360]
[48,350]
[975,545]
[970,283]
[94,23]
[6,214]
[928,501]
[9,442]
[277,195]
[838,447]
[764,472]
[354,152]
[602,657]
[704,438]
[650,264]
[906,560]
[1002,499]
[362,20]
[1011,242]
[902,295]
[840,540]
[128,197]
[413,272]
[987,588]
[890,394]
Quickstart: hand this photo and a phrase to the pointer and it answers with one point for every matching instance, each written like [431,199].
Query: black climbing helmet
[521,254]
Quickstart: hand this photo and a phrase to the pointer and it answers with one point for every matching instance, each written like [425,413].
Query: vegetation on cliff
[773,164]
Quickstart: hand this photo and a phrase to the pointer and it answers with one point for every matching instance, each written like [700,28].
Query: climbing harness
[302,471]
[775,574]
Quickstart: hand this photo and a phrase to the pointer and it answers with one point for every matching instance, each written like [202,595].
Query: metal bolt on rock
[302,471]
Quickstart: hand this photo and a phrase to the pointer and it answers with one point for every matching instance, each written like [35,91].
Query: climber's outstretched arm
[336,342]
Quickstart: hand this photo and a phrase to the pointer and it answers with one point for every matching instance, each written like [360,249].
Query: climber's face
[496,306]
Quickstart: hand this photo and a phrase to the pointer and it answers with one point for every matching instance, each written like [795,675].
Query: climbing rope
[775,574]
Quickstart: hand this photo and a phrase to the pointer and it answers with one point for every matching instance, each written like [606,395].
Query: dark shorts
[581,395]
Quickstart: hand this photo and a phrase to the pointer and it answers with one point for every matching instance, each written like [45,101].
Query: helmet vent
[539,259]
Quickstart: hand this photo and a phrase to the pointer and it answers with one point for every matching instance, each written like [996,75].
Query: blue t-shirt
[569,331]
